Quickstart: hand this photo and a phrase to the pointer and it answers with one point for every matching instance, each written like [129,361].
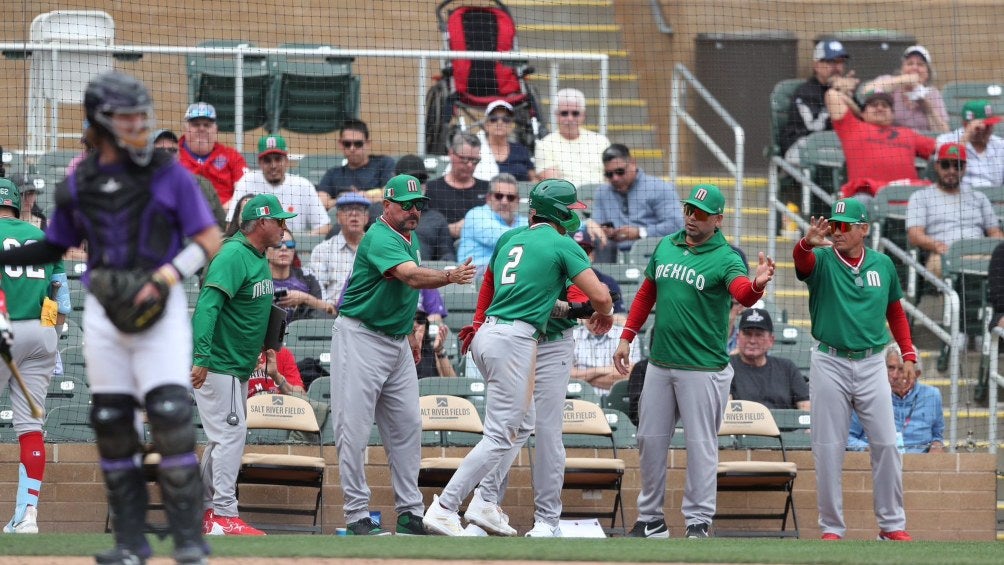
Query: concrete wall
[948,496]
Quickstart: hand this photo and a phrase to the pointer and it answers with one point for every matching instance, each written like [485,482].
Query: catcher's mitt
[116,290]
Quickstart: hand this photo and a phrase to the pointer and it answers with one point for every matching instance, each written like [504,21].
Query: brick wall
[948,496]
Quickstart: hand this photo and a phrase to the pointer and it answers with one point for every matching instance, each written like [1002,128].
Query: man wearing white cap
[296,193]
[202,155]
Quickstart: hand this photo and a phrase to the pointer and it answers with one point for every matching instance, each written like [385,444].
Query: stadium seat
[311,95]
[955,94]
[996,196]
[310,338]
[581,390]
[794,344]
[641,252]
[966,267]
[753,474]
[617,398]
[287,413]
[211,79]
[780,104]
[592,473]
[320,393]
[795,426]
[69,424]
[313,167]
[823,159]
[450,416]
[460,300]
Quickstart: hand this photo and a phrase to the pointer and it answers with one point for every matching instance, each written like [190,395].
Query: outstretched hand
[463,273]
[764,271]
[819,228]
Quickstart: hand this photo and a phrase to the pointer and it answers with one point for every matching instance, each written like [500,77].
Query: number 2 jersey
[26,287]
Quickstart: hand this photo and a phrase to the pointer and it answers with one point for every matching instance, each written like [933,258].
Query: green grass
[521,549]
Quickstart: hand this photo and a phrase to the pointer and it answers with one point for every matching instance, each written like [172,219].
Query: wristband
[611,312]
[189,260]
[166,275]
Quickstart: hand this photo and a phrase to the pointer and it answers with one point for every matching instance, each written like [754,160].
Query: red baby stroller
[466,86]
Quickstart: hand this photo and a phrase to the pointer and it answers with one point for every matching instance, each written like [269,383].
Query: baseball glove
[116,290]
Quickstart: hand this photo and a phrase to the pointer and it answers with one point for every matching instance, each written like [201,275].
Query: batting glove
[466,336]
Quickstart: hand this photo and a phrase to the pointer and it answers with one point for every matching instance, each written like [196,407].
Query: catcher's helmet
[114,93]
[10,196]
[556,200]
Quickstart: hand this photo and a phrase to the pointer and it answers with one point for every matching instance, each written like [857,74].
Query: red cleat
[831,537]
[232,526]
[207,522]
[898,535]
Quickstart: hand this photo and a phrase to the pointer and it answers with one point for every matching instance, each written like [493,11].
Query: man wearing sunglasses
[690,281]
[938,216]
[484,225]
[573,152]
[375,349]
[985,166]
[296,193]
[849,285]
[632,205]
[458,190]
[361,171]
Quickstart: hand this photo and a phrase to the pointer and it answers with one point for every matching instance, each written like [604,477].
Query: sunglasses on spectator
[509,197]
[572,113]
[469,160]
[288,244]
[616,172]
[169,149]
[951,164]
[697,213]
[496,119]
[358,144]
[842,227]
[419,205]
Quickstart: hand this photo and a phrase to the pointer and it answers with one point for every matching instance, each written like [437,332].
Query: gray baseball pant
[221,461]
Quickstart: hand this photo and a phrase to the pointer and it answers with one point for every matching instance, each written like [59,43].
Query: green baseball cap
[980,110]
[707,197]
[403,188]
[272,144]
[850,210]
[265,206]
[9,195]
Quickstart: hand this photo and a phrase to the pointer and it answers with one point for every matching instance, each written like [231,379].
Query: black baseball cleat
[409,524]
[653,529]
[698,531]
[365,527]
[121,555]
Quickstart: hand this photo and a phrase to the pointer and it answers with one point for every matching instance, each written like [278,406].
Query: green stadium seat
[641,252]
[823,158]
[780,104]
[310,338]
[617,398]
[69,424]
[313,167]
[956,94]
[795,426]
[310,95]
[460,300]
[794,344]
[581,390]
[966,266]
[211,79]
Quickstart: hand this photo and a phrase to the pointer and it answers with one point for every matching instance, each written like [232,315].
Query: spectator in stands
[573,152]
[484,225]
[276,373]
[234,225]
[458,191]
[916,407]
[295,289]
[985,165]
[876,151]
[29,186]
[361,171]
[499,153]
[202,155]
[995,296]
[296,193]
[938,216]
[916,103]
[585,241]
[807,113]
[594,356]
[432,333]
[771,381]
[433,231]
[632,206]
[165,140]
[331,260]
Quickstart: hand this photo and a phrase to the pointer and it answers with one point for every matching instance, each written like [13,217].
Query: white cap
[499,104]
[919,50]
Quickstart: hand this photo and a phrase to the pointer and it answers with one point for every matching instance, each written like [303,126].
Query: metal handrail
[242,51]
[952,308]
[660,20]
[994,380]
[681,78]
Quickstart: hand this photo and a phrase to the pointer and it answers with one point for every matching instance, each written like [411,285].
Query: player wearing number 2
[530,269]
[33,320]
[375,349]
[848,285]
[691,280]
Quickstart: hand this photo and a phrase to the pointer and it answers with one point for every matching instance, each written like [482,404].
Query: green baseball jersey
[692,301]
[530,266]
[231,315]
[382,302]
[26,286]
[845,314]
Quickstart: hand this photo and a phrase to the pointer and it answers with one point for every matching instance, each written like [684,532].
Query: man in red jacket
[202,155]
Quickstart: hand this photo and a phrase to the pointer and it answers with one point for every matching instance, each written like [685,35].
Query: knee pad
[112,417]
[169,410]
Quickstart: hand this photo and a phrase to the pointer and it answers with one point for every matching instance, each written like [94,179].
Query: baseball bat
[36,412]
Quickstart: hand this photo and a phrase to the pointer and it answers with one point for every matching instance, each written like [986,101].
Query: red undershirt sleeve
[741,288]
[805,259]
[485,296]
[641,307]
[900,328]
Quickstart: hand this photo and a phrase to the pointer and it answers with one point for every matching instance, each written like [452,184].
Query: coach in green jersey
[374,351]
[229,325]
[33,352]
[691,279]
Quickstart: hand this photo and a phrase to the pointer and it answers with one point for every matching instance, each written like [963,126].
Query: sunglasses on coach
[842,227]
[697,213]
[419,205]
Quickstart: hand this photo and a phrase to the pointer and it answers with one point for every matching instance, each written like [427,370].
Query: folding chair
[448,415]
[592,473]
[284,412]
[311,95]
[745,419]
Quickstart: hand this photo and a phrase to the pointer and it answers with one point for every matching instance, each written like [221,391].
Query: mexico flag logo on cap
[264,211]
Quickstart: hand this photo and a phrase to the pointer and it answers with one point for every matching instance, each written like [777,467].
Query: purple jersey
[144,235]
[430,301]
